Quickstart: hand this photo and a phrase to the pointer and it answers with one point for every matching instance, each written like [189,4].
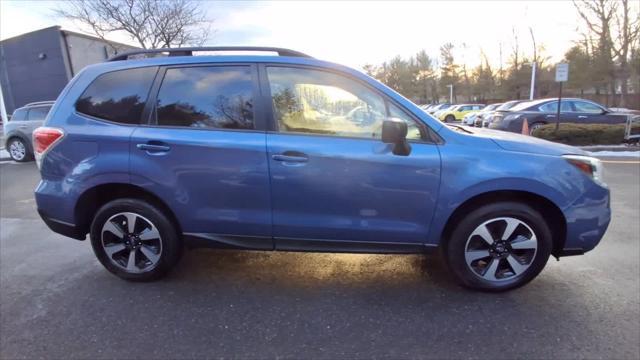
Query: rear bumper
[55,207]
[61,227]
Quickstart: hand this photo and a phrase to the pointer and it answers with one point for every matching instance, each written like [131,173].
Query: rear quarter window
[118,96]
[19,115]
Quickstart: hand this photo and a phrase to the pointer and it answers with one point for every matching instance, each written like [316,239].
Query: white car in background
[20,127]
[470,119]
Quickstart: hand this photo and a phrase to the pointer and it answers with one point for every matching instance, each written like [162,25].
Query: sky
[360,32]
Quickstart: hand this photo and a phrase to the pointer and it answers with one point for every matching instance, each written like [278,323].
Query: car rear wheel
[18,150]
[134,240]
[449,118]
[499,247]
[535,126]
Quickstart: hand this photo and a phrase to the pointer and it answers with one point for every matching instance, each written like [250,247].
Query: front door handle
[153,148]
[288,158]
[291,157]
[582,116]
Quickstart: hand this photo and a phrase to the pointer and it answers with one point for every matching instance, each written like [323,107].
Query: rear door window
[219,97]
[586,107]
[118,96]
[38,113]
[553,107]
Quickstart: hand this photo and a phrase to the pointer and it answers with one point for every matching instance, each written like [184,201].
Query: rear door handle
[153,148]
[582,117]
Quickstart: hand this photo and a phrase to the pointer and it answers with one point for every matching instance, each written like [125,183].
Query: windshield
[491,107]
[509,104]
[521,106]
[459,128]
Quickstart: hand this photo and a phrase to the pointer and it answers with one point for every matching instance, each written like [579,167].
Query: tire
[18,150]
[467,243]
[535,126]
[113,242]
[449,118]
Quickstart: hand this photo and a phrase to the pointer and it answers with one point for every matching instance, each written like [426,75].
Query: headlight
[588,165]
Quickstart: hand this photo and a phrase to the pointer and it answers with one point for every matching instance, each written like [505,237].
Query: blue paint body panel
[227,182]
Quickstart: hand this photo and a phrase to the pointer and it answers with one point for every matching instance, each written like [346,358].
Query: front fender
[468,172]
[449,204]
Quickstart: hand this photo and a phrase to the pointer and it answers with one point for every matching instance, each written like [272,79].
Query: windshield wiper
[460,128]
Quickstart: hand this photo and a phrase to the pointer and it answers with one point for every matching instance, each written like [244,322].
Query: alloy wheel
[534,127]
[131,242]
[17,150]
[501,249]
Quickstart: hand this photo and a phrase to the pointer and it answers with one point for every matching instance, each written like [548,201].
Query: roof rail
[48,102]
[188,51]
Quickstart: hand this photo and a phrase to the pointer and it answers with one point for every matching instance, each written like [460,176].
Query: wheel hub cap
[501,249]
[17,150]
[131,242]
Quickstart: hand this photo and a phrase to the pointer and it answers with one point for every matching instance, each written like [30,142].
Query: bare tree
[615,28]
[627,32]
[151,23]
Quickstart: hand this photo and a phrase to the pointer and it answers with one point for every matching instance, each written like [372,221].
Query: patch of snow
[633,154]
[619,146]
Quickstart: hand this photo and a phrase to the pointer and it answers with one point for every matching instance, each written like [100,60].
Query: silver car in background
[20,126]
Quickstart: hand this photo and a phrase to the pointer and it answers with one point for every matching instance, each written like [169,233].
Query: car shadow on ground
[288,304]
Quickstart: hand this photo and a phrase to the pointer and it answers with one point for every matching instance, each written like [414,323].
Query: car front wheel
[499,246]
[449,118]
[534,127]
[134,240]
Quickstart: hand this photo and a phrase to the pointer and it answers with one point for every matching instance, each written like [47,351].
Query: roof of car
[189,51]
[203,59]
[37,103]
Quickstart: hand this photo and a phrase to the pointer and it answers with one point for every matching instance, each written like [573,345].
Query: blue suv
[285,152]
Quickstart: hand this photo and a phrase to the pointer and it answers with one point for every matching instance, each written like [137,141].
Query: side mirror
[394,131]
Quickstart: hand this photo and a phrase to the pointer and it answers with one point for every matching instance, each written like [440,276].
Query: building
[36,66]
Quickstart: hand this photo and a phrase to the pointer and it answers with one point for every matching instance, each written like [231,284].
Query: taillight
[44,138]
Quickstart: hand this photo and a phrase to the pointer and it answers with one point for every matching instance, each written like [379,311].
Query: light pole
[3,112]
[450,93]
[533,80]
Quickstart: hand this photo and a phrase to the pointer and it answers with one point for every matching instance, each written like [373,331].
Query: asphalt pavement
[56,301]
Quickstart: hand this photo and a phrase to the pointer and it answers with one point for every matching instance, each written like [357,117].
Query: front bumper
[587,221]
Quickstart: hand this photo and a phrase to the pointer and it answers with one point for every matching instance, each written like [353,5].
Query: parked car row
[452,112]
[510,115]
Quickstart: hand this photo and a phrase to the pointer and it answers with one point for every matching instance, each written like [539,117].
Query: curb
[4,155]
